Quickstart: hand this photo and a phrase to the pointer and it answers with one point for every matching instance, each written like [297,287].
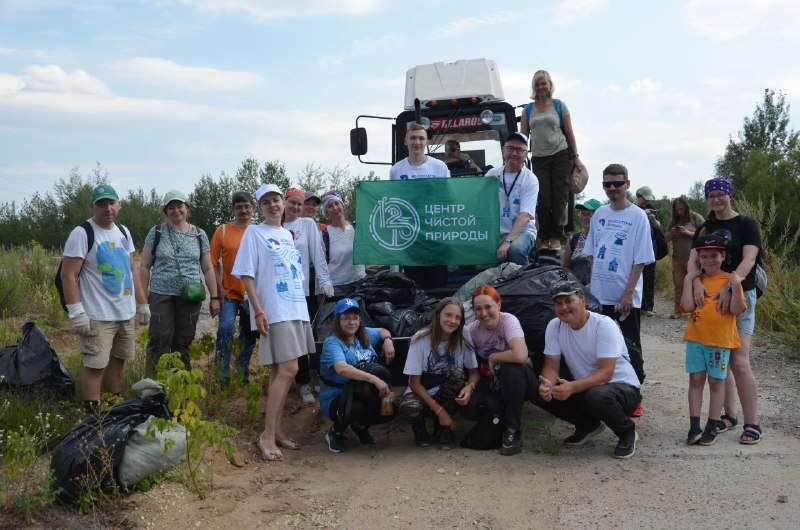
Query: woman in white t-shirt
[307,241]
[442,374]
[270,268]
[501,352]
[339,244]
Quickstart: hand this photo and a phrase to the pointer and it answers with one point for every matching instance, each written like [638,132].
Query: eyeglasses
[716,196]
[243,207]
[614,183]
[516,150]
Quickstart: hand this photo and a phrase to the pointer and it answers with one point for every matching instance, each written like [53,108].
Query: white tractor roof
[462,79]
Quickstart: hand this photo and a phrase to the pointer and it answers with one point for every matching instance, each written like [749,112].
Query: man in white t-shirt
[619,241]
[518,191]
[604,388]
[101,291]
[418,165]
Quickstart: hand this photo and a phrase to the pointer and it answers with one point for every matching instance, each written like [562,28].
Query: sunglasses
[614,183]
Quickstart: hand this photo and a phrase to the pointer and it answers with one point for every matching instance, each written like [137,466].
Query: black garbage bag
[387,286]
[90,454]
[526,295]
[401,322]
[32,365]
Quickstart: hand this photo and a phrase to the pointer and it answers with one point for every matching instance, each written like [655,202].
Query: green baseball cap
[104,191]
[174,195]
[591,205]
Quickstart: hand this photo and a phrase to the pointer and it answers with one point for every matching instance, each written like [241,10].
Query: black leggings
[365,409]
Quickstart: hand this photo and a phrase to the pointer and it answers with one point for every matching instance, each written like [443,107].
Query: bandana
[329,196]
[296,192]
[721,184]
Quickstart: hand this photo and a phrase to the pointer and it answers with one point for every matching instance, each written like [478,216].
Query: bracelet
[509,241]
[437,412]
[471,384]
[575,156]
[259,314]
[387,337]
[215,297]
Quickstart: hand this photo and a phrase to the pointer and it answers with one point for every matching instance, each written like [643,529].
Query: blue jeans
[225,332]
[520,249]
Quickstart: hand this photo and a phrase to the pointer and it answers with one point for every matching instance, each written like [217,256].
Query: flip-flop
[288,443]
[269,456]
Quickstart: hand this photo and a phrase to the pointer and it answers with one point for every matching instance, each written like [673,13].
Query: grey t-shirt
[546,135]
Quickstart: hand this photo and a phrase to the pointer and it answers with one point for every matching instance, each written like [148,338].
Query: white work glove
[79,320]
[327,290]
[143,310]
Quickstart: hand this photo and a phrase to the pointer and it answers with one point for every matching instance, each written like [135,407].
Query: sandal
[709,434]
[695,433]
[751,434]
[724,427]
[288,443]
[269,456]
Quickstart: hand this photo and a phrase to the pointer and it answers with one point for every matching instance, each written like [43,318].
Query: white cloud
[359,48]
[10,84]
[473,24]
[646,86]
[722,20]
[273,10]
[53,78]
[160,72]
[569,11]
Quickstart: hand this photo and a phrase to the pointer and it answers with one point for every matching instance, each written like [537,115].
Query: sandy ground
[394,484]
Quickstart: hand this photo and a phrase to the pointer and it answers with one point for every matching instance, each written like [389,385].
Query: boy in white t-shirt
[418,165]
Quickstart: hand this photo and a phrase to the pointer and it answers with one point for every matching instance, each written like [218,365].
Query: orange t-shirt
[226,248]
[707,325]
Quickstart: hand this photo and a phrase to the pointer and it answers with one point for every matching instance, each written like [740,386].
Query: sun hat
[104,191]
[590,205]
[267,188]
[566,288]
[345,304]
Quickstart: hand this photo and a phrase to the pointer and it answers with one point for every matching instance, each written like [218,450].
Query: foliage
[185,393]
[26,284]
[765,161]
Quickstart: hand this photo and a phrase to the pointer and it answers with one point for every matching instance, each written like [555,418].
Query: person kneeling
[605,389]
[438,360]
[353,383]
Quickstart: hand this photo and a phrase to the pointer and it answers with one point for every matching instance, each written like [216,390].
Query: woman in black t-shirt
[744,243]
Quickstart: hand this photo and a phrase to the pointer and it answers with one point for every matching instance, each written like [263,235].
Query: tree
[764,164]
[312,178]
[766,131]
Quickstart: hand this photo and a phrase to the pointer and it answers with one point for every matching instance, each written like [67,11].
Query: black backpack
[89,244]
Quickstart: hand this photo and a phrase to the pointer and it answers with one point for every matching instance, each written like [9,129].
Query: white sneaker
[306,395]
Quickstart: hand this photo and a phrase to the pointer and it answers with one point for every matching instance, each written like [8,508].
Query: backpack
[89,244]
[557,105]
[660,248]
[160,228]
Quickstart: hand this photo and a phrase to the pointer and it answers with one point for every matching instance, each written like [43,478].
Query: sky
[162,92]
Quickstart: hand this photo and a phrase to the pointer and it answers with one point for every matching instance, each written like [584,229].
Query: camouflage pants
[412,408]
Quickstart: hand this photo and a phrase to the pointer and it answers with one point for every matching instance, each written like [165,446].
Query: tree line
[763,161]
[48,218]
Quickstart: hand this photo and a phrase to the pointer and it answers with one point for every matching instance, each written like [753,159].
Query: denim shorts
[711,359]
[746,322]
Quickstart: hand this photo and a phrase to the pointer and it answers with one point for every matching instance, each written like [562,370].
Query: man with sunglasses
[619,239]
[518,190]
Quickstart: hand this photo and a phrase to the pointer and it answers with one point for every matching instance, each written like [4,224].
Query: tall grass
[26,285]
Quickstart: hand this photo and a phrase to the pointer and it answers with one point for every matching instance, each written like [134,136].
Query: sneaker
[363,435]
[554,244]
[582,436]
[543,244]
[335,441]
[512,442]
[638,412]
[675,316]
[649,313]
[446,439]
[626,447]
[421,437]
[695,433]
[306,395]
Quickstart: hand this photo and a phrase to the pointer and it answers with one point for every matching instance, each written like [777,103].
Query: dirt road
[667,484]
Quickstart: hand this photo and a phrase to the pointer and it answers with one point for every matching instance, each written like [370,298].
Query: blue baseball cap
[345,304]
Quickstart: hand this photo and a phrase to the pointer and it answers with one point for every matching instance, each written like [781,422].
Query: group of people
[270,274]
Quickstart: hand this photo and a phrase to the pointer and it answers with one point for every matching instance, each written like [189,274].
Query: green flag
[451,221]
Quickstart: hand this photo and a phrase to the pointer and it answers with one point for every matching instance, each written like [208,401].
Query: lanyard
[509,190]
